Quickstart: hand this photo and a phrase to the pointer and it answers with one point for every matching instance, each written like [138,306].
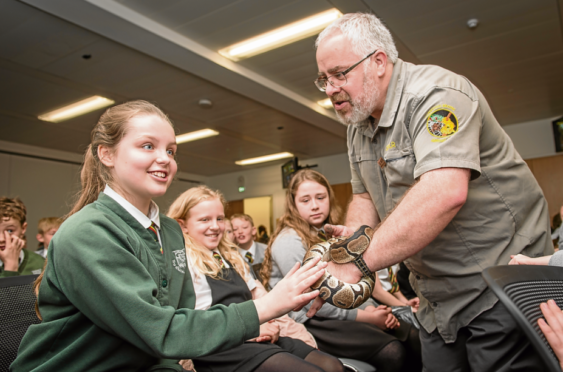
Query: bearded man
[434,171]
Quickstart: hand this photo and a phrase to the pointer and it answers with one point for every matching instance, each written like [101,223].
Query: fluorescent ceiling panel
[263,159]
[193,136]
[76,109]
[281,36]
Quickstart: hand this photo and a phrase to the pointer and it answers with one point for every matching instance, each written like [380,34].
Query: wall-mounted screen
[288,170]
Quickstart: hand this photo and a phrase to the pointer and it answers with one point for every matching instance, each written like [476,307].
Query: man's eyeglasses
[338,80]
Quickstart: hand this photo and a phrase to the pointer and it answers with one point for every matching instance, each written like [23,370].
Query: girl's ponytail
[92,179]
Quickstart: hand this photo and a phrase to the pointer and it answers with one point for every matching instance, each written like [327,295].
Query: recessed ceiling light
[281,36]
[326,103]
[473,23]
[263,159]
[76,109]
[198,134]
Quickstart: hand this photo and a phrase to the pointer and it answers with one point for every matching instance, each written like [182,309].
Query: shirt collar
[252,250]
[144,220]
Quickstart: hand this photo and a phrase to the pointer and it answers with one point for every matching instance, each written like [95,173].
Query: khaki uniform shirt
[432,119]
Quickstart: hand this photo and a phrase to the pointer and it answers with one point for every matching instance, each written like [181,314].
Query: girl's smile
[142,165]
[205,223]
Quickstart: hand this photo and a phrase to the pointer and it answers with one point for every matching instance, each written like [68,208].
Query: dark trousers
[491,342]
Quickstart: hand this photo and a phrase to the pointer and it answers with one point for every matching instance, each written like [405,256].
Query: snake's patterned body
[342,250]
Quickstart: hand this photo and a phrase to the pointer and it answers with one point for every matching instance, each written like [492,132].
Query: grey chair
[17,313]
[354,365]
[521,289]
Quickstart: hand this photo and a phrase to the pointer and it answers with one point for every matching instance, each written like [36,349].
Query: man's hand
[10,255]
[553,329]
[348,273]
[338,230]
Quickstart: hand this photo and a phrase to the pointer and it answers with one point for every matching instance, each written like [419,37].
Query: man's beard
[361,107]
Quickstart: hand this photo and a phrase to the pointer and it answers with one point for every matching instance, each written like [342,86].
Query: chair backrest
[17,313]
[521,289]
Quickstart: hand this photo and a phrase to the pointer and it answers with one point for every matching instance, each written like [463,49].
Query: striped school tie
[249,257]
[217,256]
[321,234]
[393,281]
[152,229]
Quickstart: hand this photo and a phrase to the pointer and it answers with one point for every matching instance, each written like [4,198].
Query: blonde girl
[116,292]
[371,334]
[221,276]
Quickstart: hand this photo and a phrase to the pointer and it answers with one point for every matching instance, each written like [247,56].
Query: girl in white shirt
[221,277]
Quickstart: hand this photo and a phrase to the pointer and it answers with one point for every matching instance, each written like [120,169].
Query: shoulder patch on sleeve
[441,122]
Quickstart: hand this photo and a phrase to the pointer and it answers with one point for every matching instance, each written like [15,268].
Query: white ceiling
[166,52]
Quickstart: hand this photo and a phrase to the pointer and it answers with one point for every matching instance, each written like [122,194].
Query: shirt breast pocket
[399,171]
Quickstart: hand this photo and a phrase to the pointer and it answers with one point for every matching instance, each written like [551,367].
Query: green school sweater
[32,264]
[111,301]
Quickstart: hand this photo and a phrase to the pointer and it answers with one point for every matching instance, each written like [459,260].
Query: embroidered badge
[441,122]
[179,261]
[390,146]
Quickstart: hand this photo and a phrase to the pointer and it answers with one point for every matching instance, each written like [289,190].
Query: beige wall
[260,209]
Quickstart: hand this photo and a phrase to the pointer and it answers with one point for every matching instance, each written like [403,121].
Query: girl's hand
[269,331]
[10,255]
[520,259]
[553,329]
[414,304]
[380,317]
[392,322]
[289,293]
[338,230]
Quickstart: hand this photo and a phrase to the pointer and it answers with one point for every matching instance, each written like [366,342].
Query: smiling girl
[371,334]
[116,294]
[220,276]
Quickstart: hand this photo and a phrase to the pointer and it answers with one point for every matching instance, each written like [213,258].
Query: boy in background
[46,228]
[14,258]
[251,251]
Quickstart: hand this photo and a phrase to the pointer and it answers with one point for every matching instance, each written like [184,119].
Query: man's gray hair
[365,32]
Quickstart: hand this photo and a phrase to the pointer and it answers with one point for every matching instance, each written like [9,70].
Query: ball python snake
[342,250]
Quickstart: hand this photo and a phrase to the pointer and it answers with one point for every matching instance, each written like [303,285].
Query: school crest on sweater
[179,261]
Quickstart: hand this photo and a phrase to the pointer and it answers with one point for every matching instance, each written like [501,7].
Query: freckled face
[206,223]
[312,202]
[143,164]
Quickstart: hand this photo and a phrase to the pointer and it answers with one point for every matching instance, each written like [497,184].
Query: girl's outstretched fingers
[289,294]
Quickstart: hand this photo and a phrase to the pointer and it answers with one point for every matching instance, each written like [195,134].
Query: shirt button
[164,283]
[418,277]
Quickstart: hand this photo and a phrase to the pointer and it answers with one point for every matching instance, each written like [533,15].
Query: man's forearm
[418,219]
[361,211]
